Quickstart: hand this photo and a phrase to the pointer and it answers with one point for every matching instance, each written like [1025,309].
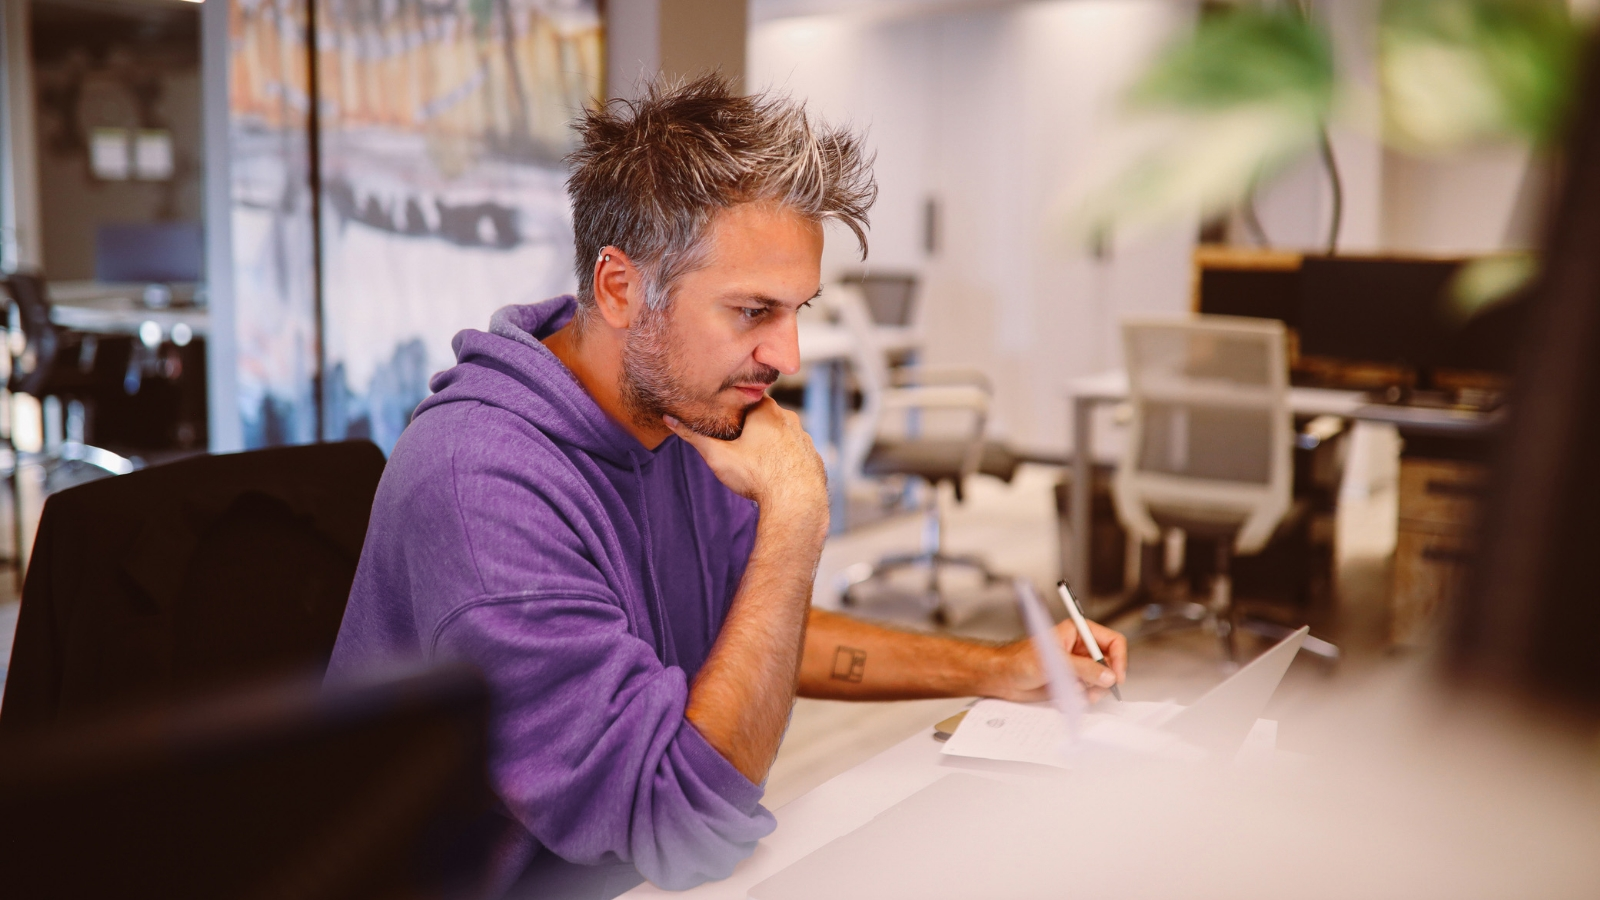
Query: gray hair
[649,176]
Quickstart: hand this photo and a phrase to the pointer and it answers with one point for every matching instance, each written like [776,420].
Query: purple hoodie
[519,528]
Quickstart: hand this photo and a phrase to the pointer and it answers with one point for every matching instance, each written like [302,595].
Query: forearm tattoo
[849,664]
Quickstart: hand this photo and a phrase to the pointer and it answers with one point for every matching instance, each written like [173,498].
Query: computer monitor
[164,252]
[1386,311]
[379,790]
[1260,293]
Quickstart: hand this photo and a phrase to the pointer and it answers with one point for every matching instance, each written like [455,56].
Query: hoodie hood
[510,368]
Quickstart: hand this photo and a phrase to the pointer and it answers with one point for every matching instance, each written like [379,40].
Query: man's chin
[722,426]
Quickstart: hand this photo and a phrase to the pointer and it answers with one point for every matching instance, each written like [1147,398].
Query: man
[601,509]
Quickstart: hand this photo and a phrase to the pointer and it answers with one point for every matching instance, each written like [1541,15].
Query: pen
[1083,629]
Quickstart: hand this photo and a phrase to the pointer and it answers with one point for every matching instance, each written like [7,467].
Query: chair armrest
[912,376]
[954,396]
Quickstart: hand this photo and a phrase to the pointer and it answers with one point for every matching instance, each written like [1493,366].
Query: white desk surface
[1112,387]
[836,807]
[843,804]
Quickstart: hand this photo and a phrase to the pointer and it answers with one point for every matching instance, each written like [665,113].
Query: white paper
[997,729]
[1037,733]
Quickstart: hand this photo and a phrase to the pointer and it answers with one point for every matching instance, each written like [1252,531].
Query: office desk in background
[1112,387]
[97,307]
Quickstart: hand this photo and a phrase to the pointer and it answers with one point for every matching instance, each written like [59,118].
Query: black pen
[1083,629]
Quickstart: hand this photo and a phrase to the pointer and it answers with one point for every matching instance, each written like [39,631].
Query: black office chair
[188,576]
[56,366]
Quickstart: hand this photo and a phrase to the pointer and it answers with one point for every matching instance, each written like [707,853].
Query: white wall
[994,108]
[993,112]
[1463,204]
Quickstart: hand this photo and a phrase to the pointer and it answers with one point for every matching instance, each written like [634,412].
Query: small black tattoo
[849,663]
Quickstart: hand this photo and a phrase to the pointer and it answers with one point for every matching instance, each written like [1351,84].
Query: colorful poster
[442,131]
[273,285]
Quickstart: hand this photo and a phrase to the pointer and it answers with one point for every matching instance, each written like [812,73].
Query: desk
[836,807]
[1112,387]
[100,308]
[1400,808]
[841,805]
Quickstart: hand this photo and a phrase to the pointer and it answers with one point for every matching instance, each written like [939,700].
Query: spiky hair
[650,175]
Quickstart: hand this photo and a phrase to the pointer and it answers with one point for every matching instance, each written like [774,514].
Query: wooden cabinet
[1440,501]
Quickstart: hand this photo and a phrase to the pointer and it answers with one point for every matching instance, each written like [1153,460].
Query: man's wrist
[802,509]
[998,672]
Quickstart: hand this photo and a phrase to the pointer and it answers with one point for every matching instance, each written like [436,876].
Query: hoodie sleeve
[589,747]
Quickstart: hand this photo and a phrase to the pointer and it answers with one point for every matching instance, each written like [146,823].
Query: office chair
[54,364]
[870,456]
[1209,453]
[188,577]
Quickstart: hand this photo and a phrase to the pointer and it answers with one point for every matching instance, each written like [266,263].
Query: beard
[654,383]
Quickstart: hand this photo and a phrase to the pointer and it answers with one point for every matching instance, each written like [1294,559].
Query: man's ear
[618,288]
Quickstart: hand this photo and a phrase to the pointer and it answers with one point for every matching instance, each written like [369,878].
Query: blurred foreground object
[366,792]
[188,577]
[1456,73]
[1254,89]
[1533,611]
[1240,99]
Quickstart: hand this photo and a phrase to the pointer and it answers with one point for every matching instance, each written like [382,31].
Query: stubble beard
[652,386]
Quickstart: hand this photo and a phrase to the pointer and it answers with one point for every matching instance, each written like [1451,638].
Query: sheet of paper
[997,729]
[1036,733]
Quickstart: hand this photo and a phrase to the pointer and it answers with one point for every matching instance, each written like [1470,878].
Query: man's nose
[780,348]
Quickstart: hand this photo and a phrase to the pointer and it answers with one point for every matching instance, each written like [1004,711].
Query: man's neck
[594,357]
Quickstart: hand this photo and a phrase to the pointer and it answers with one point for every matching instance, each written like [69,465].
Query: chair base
[1159,619]
[933,561]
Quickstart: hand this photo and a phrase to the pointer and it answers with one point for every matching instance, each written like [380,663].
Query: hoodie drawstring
[707,593]
[669,650]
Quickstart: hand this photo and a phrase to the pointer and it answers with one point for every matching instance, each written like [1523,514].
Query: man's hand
[740,700]
[772,461]
[1022,678]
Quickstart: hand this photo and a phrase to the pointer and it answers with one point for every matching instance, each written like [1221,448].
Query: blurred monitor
[1400,312]
[1258,293]
[1388,311]
[372,791]
[148,252]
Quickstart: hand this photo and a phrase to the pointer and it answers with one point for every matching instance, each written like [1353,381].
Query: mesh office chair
[869,455]
[1210,452]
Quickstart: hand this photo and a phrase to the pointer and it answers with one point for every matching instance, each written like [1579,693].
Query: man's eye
[752,312]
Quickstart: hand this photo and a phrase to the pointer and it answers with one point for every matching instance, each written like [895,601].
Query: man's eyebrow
[770,302]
